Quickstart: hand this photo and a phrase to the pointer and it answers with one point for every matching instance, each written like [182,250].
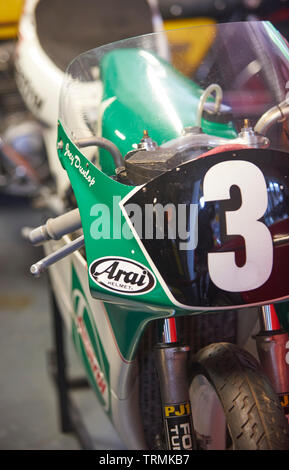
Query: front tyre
[233,403]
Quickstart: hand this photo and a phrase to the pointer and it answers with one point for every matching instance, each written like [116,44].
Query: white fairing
[39,81]
[42,80]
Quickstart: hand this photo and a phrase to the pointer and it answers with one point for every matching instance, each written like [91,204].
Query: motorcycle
[178,217]
[23,168]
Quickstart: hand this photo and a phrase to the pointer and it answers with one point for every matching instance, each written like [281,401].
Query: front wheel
[233,403]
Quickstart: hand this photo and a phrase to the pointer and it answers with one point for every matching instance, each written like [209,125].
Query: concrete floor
[28,406]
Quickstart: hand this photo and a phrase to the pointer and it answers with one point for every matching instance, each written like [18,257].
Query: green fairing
[128,325]
[128,321]
[145,92]
[103,191]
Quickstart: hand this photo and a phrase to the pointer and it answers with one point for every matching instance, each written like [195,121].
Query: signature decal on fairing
[76,162]
[123,275]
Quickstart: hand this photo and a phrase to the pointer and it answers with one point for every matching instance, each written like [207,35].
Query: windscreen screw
[146,142]
[249,137]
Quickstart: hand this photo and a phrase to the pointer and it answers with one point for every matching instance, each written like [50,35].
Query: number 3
[223,270]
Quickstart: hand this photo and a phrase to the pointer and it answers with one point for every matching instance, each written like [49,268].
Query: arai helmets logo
[122,275]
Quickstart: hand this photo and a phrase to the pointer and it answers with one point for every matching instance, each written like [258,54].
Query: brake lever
[55,229]
[41,265]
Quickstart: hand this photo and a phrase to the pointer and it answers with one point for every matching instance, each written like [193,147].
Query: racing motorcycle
[178,216]
[23,169]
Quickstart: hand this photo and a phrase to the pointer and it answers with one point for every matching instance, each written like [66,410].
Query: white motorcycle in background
[51,34]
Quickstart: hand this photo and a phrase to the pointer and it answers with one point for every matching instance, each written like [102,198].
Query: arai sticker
[122,275]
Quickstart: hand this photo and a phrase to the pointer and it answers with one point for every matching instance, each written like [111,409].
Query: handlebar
[55,228]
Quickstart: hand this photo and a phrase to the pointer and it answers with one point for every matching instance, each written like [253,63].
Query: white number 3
[223,270]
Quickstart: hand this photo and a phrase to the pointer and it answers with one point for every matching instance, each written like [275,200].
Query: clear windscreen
[217,78]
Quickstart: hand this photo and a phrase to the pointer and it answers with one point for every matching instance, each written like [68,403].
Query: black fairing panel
[258,200]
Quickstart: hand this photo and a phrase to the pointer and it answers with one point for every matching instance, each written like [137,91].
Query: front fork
[172,363]
[272,343]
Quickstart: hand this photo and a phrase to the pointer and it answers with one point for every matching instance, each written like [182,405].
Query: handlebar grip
[55,228]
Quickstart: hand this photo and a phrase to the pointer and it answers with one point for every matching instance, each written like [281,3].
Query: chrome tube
[213,88]
[38,268]
[266,318]
[171,365]
[170,331]
[278,113]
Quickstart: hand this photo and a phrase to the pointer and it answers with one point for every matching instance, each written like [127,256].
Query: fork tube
[268,318]
[171,363]
[272,342]
[170,330]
